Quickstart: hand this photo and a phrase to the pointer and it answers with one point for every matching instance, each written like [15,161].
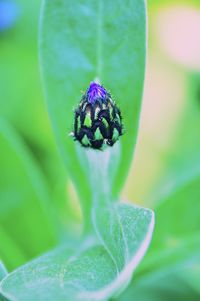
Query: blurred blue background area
[9,12]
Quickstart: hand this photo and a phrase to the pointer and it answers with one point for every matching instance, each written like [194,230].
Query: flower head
[97,120]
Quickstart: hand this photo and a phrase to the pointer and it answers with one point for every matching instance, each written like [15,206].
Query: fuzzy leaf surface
[97,270]
[78,43]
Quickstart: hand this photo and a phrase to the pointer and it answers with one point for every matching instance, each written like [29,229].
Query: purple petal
[95,91]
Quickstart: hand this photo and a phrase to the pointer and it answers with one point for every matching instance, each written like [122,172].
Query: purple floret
[96,91]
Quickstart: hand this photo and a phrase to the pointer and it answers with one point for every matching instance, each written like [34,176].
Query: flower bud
[97,120]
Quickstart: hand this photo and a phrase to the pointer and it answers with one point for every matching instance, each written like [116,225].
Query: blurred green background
[165,173]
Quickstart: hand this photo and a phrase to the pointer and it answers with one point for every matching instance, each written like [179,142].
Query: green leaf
[163,288]
[192,276]
[181,203]
[25,210]
[156,4]
[3,298]
[23,104]
[3,271]
[126,225]
[165,275]
[175,245]
[78,43]
[183,254]
[177,221]
[177,197]
[180,159]
[11,253]
[94,271]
